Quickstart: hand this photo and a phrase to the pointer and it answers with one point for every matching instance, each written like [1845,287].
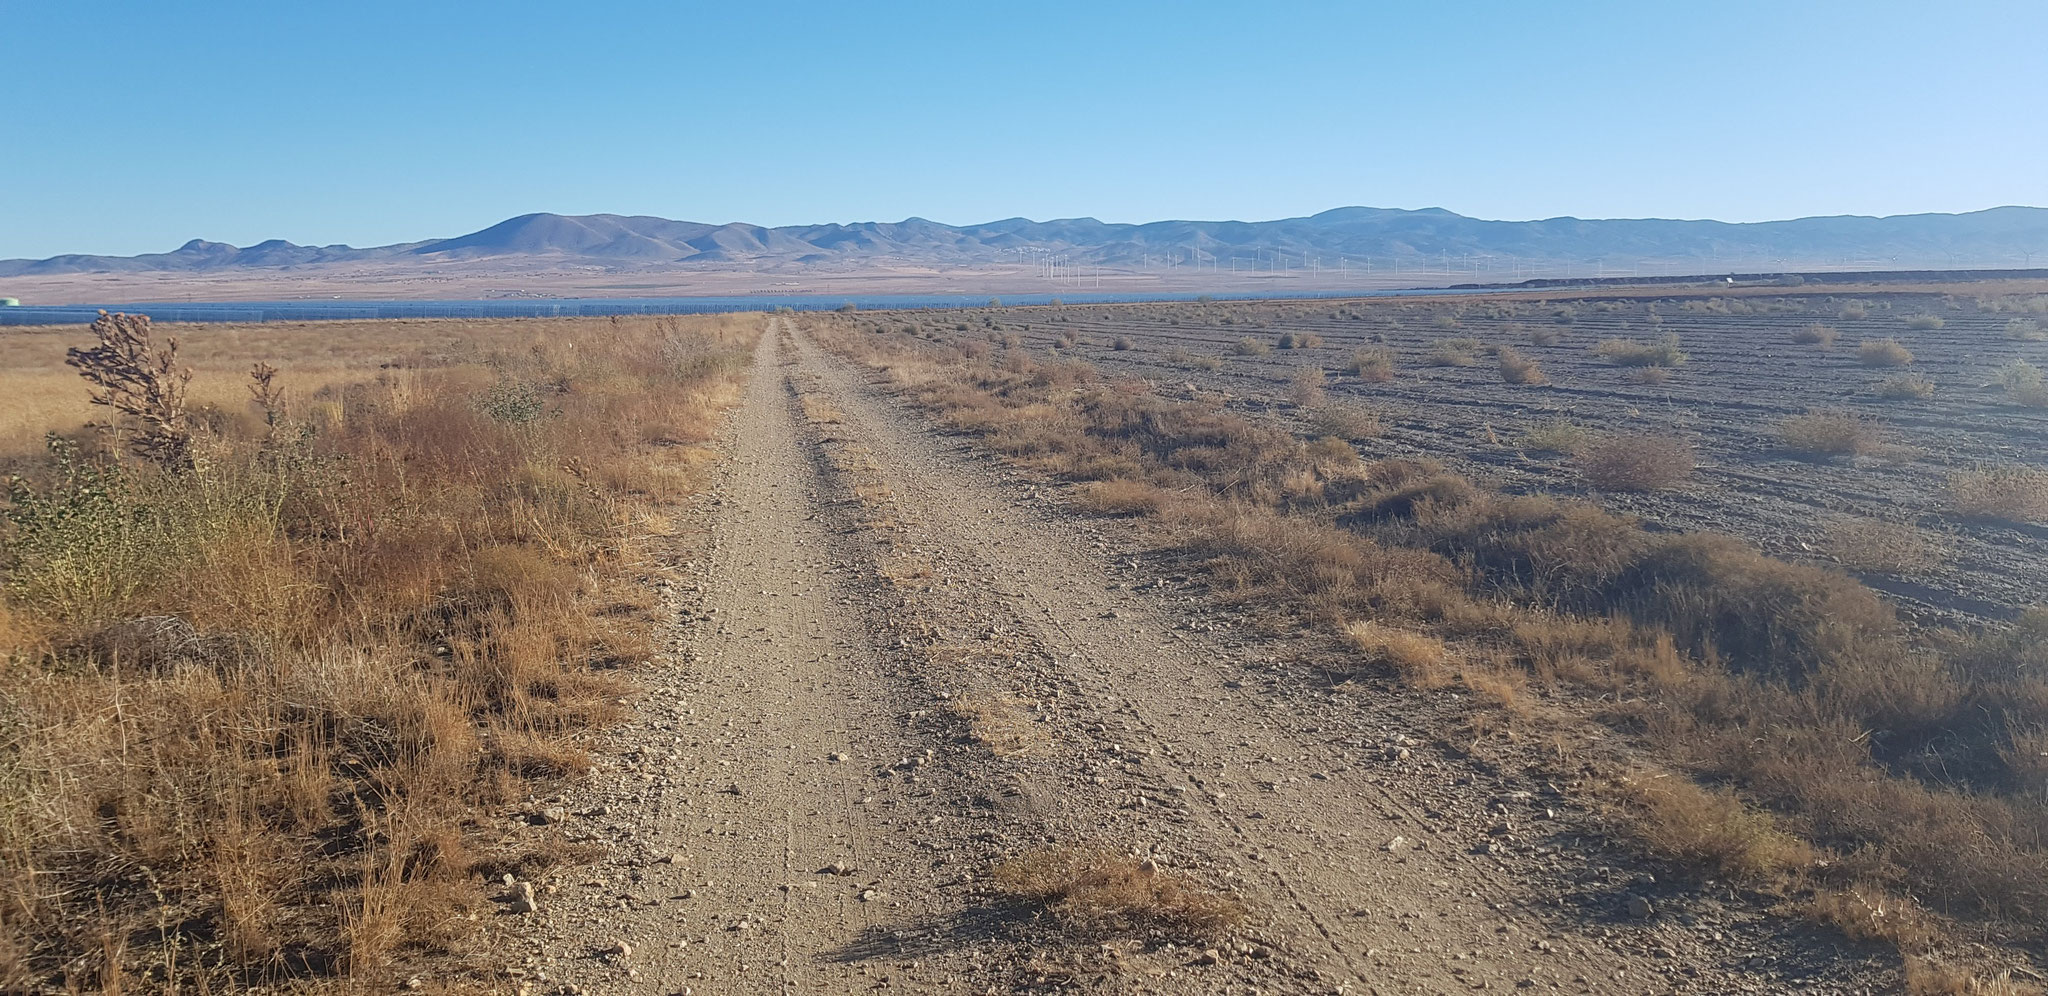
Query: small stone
[620,949]
[523,900]
[1640,908]
[837,756]
[1396,846]
[1209,956]
[415,983]
[554,814]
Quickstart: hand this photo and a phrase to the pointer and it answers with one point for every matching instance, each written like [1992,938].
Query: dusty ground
[899,665]
[1744,377]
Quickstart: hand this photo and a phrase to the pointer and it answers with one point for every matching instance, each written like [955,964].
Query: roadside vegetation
[1879,777]
[276,640]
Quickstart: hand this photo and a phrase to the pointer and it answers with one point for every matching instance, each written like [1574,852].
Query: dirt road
[899,665]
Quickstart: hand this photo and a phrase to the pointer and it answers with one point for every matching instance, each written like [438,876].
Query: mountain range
[1998,236]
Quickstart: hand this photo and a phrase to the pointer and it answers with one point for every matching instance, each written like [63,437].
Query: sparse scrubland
[1879,777]
[279,633]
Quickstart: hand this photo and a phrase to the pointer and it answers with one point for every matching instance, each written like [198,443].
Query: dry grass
[2014,494]
[1374,366]
[1307,387]
[1517,369]
[1626,353]
[1096,893]
[1556,436]
[1816,334]
[1452,353]
[1879,545]
[1883,353]
[264,695]
[1120,497]
[1829,433]
[1347,420]
[1712,830]
[1419,659]
[1636,462]
[1905,387]
[2023,383]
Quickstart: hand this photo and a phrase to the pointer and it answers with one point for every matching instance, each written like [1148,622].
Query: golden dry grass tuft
[1883,353]
[1712,830]
[1120,496]
[1418,658]
[1097,893]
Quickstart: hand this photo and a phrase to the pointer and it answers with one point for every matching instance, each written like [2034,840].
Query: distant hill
[1998,236]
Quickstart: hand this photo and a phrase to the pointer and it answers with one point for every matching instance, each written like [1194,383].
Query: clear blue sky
[132,127]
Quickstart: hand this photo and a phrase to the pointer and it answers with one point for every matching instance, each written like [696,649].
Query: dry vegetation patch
[1518,369]
[265,662]
[1373,365]
[2016,494]
[1628,353]
[1829,433]
[1883,353]
[1098,893]
[1636,462]
[1816,334]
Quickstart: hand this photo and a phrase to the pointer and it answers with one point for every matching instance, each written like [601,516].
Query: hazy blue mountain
[1998,236]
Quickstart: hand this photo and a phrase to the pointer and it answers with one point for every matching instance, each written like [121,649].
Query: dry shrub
[1883,353]
[1374,365]
[1636,462]
[1816,334]
[2014,493]
[1121,496]
[1517,369]
[141,381]
[1124,343]
[1181,357]
[2023,383]
[1096,893]
[1419,659]
[1348,420]
[1854,311]
[1924,323]
[1712,830]
[1306,387]
[1626,353]
[1300,340]
[1879,545]
[1905,387]
[1452,353]
[1544,337]
[2025,330]
[1829,433]
[1556,436]
[1249,346]
[1649,375]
